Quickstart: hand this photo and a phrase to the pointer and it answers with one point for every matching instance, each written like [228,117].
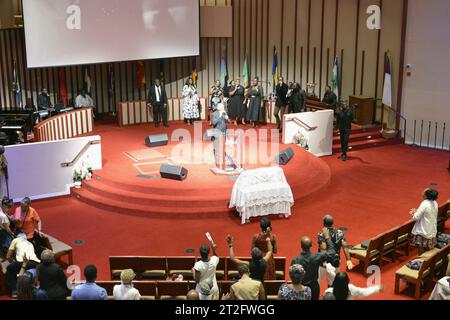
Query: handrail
[301,123]
[78,156]
[395,111]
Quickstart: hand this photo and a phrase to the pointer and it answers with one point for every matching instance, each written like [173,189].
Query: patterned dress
[261,244]
[287,293]
[190,105]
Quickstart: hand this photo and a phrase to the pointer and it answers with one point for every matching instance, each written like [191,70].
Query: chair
[231,267]
[443,215]
[389,247]
[171,290]
[147,289]
[271,288]
[280,268]
[153,268]
[220,270]
[439,266]
[181,265]
[225,287]
[108,286]
[371,254]
[404,238]
[118,264]
[61,249]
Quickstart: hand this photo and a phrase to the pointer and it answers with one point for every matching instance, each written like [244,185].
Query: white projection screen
[75,32]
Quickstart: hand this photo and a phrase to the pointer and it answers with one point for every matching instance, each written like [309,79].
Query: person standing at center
[344,122]
[157,99]
[255,113]
[191,100]
[281,102]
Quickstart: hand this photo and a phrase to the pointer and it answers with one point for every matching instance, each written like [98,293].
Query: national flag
[161,71]
[63,86]
[335,78]
[140,74]
[194,74]
[387,89]
[16,86]
[87,80]
[223,69]
[245,72]
[275,70]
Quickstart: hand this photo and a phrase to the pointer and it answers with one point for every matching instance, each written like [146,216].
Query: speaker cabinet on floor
[284,157]
[173,172]
[157,140]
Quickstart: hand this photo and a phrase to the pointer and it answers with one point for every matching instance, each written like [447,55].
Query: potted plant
[301,140]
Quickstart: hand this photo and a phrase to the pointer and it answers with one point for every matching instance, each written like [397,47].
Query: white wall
[426,94]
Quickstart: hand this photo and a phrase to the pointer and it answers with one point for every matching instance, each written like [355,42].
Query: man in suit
[157,99]
[44,100]
[344,118]
[281,103]
[330,98]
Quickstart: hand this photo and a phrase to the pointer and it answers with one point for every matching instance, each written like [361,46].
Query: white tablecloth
[441,290]
[262,192]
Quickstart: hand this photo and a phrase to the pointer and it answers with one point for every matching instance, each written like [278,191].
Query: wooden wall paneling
[329,34]
[8,68]
[3,79]
[302,39]
[355,72]
[295,41]
[315,42]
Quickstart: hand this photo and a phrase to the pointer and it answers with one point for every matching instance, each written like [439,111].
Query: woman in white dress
[191,100]
[343,290]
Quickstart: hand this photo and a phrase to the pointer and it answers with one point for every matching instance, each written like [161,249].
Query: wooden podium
[365,113]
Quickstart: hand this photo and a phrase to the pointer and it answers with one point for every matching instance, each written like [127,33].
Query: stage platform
[130,183]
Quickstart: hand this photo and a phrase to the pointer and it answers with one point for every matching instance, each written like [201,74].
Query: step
[371,135]
[360,145]
[362,130]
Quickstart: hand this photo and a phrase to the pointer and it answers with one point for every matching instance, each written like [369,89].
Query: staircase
[364,138]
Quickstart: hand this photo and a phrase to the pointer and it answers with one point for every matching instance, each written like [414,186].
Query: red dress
[261,244]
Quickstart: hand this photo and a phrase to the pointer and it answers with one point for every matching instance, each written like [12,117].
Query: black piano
[15,126]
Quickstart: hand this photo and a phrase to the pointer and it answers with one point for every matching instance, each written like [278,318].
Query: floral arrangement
[82,171]
[301,139]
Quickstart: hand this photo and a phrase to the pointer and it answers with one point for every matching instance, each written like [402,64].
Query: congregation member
[246,288]
[27,219]
[51,277]
[3,169]
[296,290]
[260,241]
[21,257]
[258,263]
[344,118]
[337,236]
[192,295]
[311,262]
[190,106]
[157,101]
[27,287]
[330,99]
[297,99]
[205,271]
[43,102]
[255,112]
[425,229]
[342,289]
[83,100]
[6,232]
[126,290]
[281,91]
[236,108]
[89,290]
[217,97]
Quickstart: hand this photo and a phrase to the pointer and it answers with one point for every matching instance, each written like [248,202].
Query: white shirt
[83,102]
[208,273]
[355,292]
[426,220]
[126,292]
[3,219]
[23,247]
[158,93]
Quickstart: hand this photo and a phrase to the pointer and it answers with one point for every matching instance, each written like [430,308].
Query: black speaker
[173,172]
[284,157]
[157,140]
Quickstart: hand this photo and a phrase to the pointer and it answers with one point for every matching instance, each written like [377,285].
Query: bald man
[311,262]
[193,295]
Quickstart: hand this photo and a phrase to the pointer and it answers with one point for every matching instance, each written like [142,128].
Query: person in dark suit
[51,277]
[297,99]
[330,99]
[44,100]
[344,120]
[157,99]
[281,103]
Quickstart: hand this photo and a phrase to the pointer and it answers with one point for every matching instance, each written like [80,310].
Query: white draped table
[262,192]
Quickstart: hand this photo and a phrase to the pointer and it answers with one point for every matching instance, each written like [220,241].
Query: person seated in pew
[27,220]
[27,286]
[89,290]
[246,288]
[343,290]
[6,234]
[192,295]
[43,102]
[125,290]
[330,99]
[295,291]
[83,100]
[52,277]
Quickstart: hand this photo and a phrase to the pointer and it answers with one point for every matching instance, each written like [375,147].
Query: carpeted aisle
[369,194]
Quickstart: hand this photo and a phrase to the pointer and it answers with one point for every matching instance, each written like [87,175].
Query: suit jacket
[152,95]
[281,91]
[44,102]
[53,280]
[344,119]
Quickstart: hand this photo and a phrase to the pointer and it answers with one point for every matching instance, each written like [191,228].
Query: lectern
[365,113]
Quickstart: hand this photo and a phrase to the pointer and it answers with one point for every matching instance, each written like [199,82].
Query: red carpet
[369,194]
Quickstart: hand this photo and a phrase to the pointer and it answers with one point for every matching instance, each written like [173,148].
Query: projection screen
[75,32]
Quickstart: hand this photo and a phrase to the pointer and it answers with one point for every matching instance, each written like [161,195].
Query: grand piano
[15,126]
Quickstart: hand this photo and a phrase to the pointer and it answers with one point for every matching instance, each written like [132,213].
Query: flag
[16,86]
[275,71]
[194,74]
[87,80]
[223,69]
[161,71]
[111,80]
[63,86]
[335,78]
[140,74]
[387,89]
[245,73]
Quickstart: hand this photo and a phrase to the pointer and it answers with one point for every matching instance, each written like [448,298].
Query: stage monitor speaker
[173,172]
[157,140]
[284,157]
